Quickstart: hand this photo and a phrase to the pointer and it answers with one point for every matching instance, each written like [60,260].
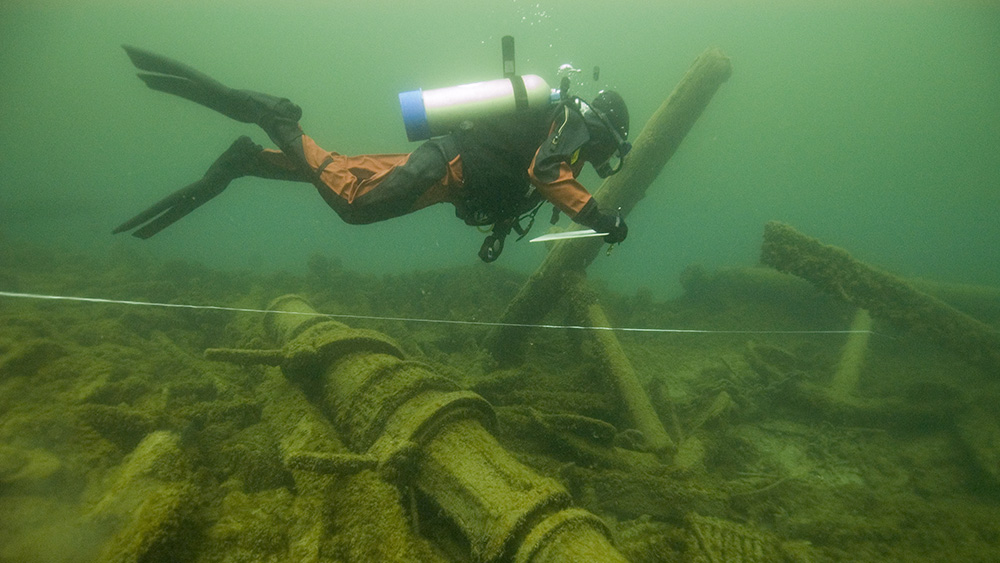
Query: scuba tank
[429,113]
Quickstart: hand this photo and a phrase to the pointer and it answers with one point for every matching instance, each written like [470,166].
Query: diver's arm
[565,192]
[570,197]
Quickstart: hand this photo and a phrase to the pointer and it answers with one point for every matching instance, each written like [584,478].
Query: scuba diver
[496,169]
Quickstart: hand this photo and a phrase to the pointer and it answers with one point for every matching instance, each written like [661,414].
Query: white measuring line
[411,319]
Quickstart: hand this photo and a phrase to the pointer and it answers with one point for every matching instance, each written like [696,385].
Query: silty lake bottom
[122,441]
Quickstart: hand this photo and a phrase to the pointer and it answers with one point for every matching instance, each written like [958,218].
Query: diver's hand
[613,224]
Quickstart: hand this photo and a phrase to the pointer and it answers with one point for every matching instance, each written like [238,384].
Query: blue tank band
[414,115]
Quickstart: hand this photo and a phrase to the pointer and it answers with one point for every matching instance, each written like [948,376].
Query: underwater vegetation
[120,440]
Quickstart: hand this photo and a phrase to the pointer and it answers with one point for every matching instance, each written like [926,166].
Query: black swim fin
[238,160]
[173,77]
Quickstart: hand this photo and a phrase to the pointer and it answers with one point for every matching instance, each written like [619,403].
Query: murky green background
[874,126]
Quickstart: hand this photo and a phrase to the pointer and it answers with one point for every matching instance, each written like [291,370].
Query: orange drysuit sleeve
[565,192]
[557,163]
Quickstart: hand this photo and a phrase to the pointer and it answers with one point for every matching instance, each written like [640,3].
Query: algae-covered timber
[886,296]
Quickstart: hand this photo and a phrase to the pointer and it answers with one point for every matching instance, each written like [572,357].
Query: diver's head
[607,122]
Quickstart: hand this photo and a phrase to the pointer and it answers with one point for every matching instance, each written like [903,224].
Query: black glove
[613,224]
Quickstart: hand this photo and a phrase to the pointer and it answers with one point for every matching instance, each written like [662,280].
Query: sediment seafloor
[119,441]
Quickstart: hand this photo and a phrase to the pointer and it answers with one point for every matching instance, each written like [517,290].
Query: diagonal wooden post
[654,146]
[612,361]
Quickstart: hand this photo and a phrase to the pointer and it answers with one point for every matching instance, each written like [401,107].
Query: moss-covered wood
[884,295]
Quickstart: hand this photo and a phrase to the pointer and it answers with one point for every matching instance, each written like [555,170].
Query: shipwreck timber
[884,295]
[420,429]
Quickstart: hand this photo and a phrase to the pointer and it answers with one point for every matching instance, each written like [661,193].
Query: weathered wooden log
[614,363]
[654,146]
[884,295]
[852,356]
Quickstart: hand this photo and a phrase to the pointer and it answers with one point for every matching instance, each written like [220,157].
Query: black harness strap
[520,92]
[322,166]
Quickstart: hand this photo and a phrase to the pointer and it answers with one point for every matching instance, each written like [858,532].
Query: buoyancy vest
[496,154]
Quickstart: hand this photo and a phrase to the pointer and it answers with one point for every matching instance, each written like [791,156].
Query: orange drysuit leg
[369,188]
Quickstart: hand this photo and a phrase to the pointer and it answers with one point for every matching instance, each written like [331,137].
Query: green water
[870,125]
[873,126]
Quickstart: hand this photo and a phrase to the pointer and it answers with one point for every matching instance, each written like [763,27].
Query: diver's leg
[371,188]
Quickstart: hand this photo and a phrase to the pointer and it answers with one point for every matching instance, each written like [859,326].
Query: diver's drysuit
[493,170]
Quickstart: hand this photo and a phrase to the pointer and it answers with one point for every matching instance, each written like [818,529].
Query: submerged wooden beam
[619,371]
[654,146]
[852,357]
[884,295]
